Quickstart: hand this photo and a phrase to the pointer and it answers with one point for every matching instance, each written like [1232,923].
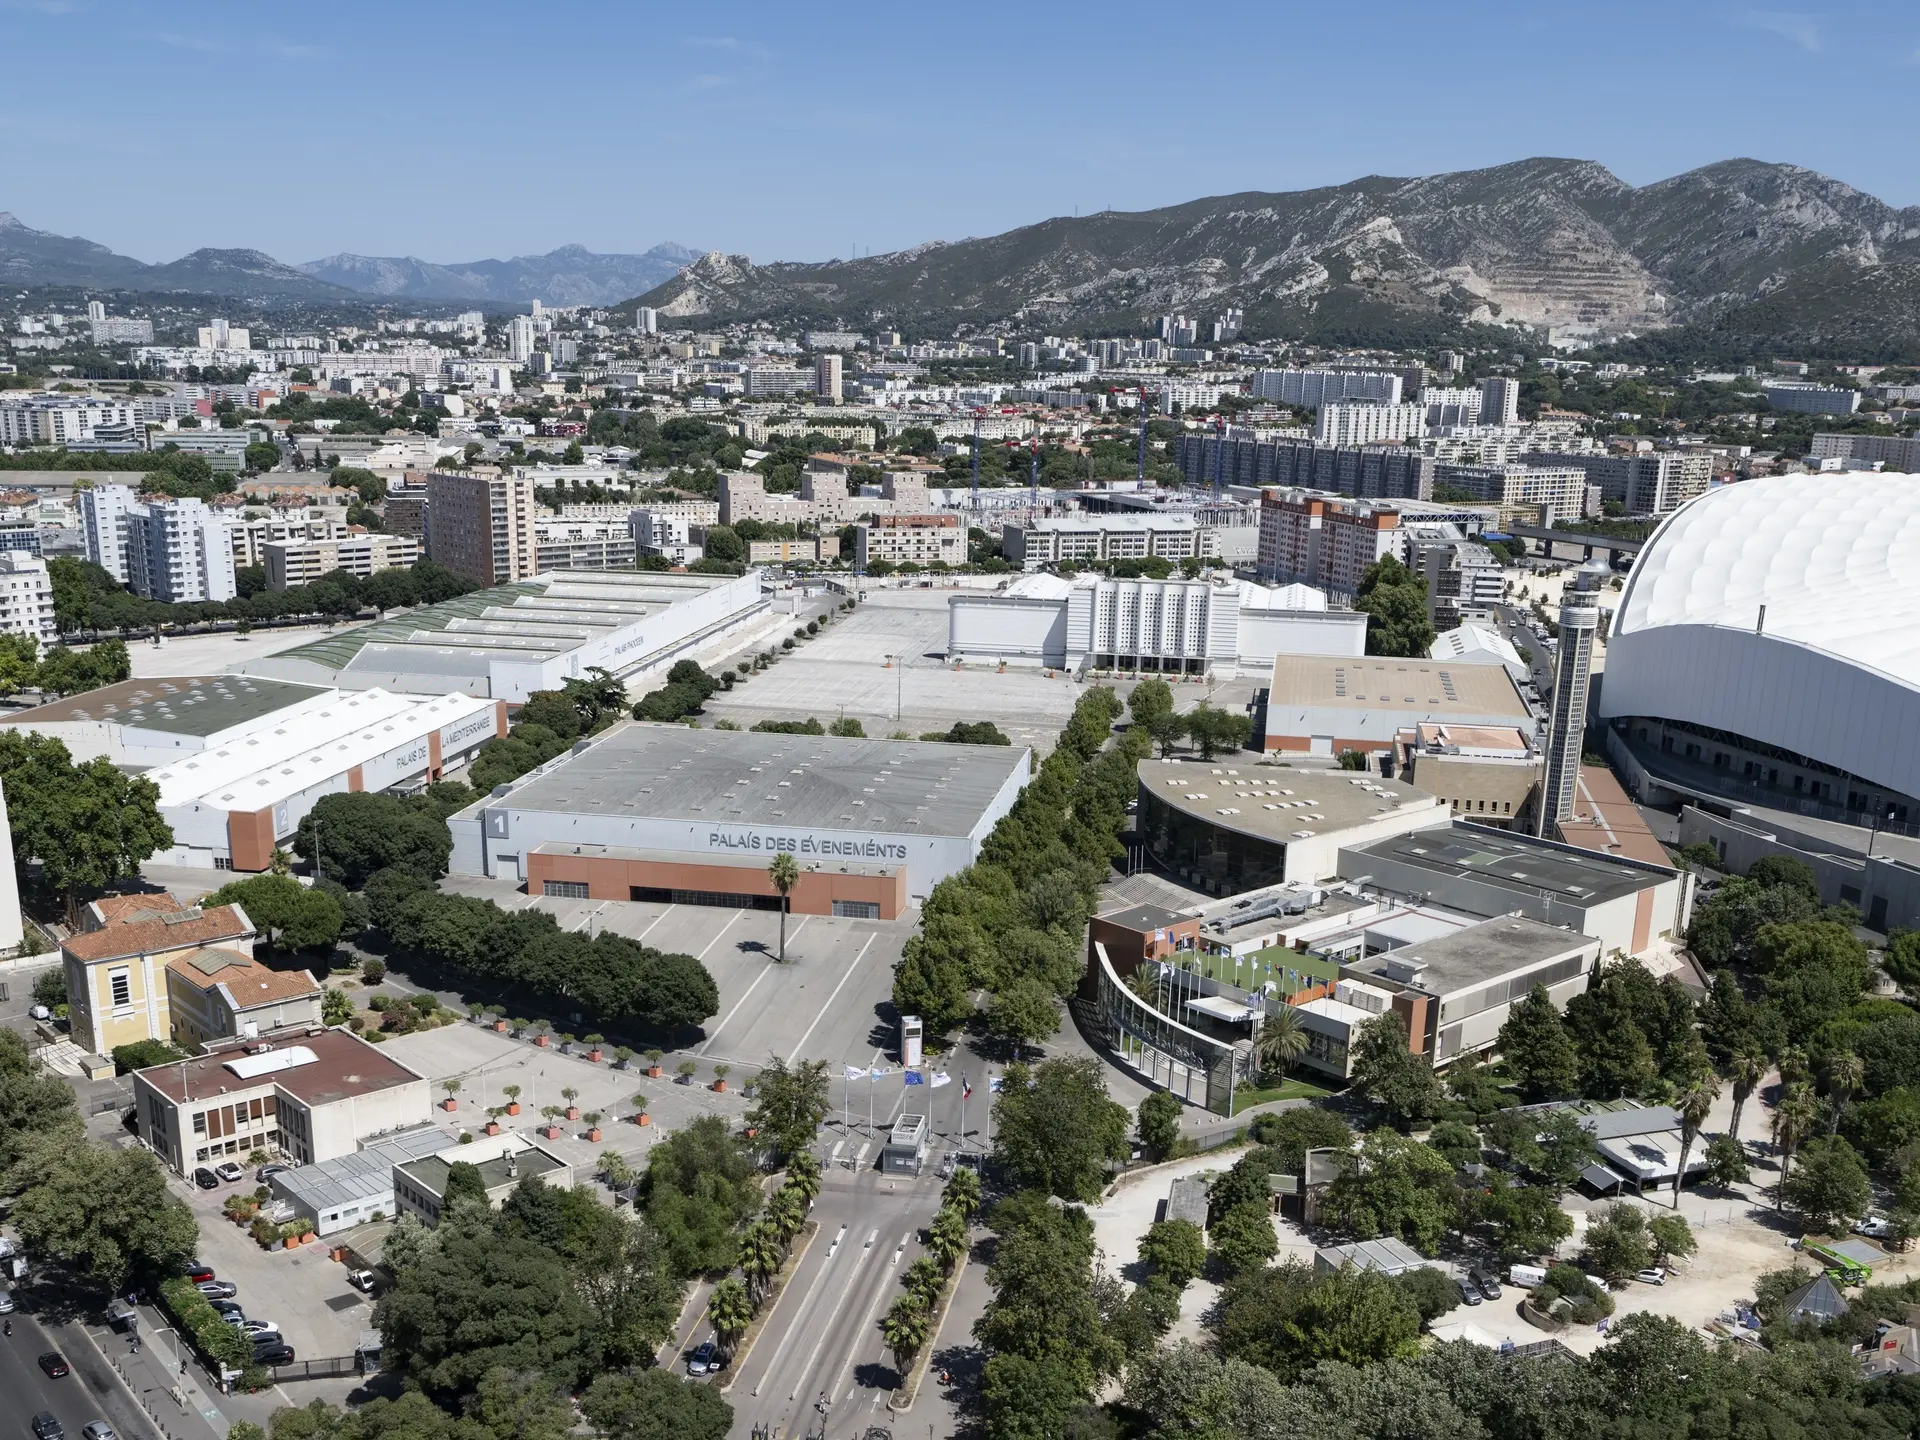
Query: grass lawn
[1293,1088]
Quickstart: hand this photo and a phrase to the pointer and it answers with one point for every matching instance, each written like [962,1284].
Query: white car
[1653,1275]
[1874,1227]
[39,1012]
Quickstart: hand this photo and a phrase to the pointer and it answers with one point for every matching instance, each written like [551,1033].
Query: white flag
[939,1078]
[856,1072]
[879,1072]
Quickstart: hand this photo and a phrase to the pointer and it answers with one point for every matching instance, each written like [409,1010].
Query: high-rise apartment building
[1310,389]
[80,422]
[646,320]
[178,551]
[826,378]
[26,596]
[219,335]
[1308,539]
[301,562]
[482,525]
[1528,494]
[1360,422]
[1648,482]
[1499,401]
[103,526]
[520,338]
[1567,721]
[1375,472]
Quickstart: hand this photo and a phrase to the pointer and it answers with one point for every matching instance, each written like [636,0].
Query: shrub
[372,972]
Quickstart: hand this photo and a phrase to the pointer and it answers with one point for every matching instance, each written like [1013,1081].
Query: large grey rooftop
[1520,863]
[199,705]
[363,1174]
[1277,802]
[907,787]
[1479,953]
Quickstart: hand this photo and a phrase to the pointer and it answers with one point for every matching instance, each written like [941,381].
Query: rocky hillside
[571,275]
[1545,241]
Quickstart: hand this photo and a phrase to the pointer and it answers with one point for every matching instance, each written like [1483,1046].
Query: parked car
[55,1364]
[217,1289]
[98,1430]
[198,1270]
[206,1179]
[1469,1291]
[267,1172]
[39,1012]
[227,1307]
[1874,1227]
[47,1426]
[273,1355]
[230,1172]
[1652,1275]
[704,1360]
[1489,1286]
[6,1302]
[260,1327]
[361,1280]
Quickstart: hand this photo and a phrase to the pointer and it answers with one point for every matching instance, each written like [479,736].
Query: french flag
[966,1088]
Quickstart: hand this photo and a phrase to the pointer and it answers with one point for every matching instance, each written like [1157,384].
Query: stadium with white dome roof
[1767,645]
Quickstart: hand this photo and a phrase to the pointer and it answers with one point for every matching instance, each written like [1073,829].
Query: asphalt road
[90,1392]
[1513,623]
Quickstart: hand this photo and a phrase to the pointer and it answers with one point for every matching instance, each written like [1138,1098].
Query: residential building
[482,525]
[178,550]
[823,500]
[920,539]
[219,335]
[1812,399]
[117,966]
[301,562]
[1646,482]
[118,330]
[520,339]
[1455,405]
[79,422]
[1054,541]
[251,537]
[1463,579]
[1360,422]
[658,533]
[1323,541]
[1894,452]
[777,382]
[1526,494]
[1313,389]
[583,544]
[1499,400]
[223,450]
[26,597]
[646,319]
[420,1186]
[826,378]
[1374,472]
[308,1095]
[405,513]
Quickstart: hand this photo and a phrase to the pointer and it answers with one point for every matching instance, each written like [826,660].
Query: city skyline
[672,128]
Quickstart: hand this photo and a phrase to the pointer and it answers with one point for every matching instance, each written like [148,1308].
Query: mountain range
[571,275]
[1738,248]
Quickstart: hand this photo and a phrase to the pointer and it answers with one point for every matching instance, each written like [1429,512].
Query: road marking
[800,1049]
[735,1010]
[839,1149]
[860,1156]
[723,930]
[806,1308]
[656,920]
[901,1248]
[866,1325]
[853,1271]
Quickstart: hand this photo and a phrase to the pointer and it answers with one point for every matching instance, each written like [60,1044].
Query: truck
[1527,1277]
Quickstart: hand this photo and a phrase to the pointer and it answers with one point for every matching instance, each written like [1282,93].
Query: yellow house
[118,987]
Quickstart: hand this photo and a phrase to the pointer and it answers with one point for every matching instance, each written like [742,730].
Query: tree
[761,1255]
[1386,1072]
[1432,1292]
[1353,760]
[1157,1123]
[1537,1048]
[1399,1187]
[1214,730]
[698,1187]
[1456,1142]
[1829,1188]
[1526,1220]
[963,1190]
[1726,1161]
[1243,1238]
[1747,1067]
[784,872]
[464,1182]
[1691,1103]
[1024,1013]
[1902,959]
[1671,1238]
[1289,1320]
[724,543]
[19,662]
[103,1212]
[363,832]
[1059,1129]
[1616,1058]
[1394,600]
[947,1236]
[291,914]
[1281,1040]
[1151,700]
[730,1312]
[905,1327]
[652,1404]
[1617,1244]
[790,1101]
[88,825]
[936,965]
[1176,1249]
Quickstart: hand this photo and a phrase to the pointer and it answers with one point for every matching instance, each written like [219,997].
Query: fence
[317,1369]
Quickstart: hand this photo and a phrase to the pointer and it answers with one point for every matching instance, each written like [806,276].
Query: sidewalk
[175,1395]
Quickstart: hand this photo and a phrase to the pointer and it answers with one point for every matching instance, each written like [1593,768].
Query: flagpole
[963,1112]
[846,1096]
[869,1102]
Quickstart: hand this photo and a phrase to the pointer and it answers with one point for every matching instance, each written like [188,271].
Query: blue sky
[795,131]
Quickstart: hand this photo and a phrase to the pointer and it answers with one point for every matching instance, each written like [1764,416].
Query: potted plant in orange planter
[512,1092]
[592,1118]
[654,1072]
[542,1035]
[552,1128]
[640,1116]
[570,1095]
[720,1073]
[593,1044]
[493,1120]
[452,1087]
[499,1022]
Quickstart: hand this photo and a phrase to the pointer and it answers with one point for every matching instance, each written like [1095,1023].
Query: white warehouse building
[1192,627]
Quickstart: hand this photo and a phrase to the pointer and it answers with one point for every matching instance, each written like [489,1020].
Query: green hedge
[200,1323]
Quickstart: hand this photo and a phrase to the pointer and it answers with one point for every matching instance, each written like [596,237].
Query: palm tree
[1846,1073]
[1144,984]
[785,1215]
[905,1329]
[947,1236]
[1747,1069]
[1695,1098]
[1793,1121]
[924,1280]
[1281,1041]
[760,1257]
[963,1191]
[784,872]
[730,1312]
[803,1177]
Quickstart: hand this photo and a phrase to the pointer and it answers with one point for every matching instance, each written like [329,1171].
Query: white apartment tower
[103,526]
[520,338]
[178,550]
[26,598]
[646,320]
[826,378]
